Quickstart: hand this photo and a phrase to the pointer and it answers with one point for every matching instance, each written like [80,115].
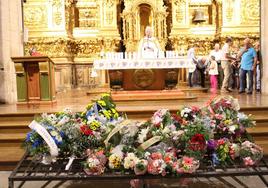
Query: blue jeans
[243,78]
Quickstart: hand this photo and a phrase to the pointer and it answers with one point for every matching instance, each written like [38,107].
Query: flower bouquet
[250,153]
[95,163]
[186,165]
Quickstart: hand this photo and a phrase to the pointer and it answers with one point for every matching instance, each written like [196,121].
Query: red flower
[197,142]
[221,141]
[86,130]
[177,118]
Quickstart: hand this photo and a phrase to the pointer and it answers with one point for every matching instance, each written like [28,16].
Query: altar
[142,73]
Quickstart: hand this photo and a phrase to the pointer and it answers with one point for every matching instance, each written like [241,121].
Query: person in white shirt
[213,73]
[226,64]
[217,53]
[192,60]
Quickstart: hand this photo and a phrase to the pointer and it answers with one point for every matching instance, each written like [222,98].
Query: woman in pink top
[213,73]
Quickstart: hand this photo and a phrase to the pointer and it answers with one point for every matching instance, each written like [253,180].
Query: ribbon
[115,130]
[53,148]
[70,162]
[150,142]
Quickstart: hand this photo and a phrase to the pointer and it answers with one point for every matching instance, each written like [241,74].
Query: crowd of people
[228,70]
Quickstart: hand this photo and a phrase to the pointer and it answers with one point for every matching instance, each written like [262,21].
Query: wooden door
[33,81]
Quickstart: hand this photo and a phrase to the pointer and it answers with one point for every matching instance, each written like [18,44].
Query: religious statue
[149,46]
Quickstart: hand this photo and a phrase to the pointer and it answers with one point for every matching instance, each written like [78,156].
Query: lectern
[35,79]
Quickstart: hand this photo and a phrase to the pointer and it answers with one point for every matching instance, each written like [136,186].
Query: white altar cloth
[157,63]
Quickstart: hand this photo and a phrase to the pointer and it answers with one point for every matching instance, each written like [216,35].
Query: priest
[149,46]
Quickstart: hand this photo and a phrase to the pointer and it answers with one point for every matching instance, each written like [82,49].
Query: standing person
[217,53]
[248,64]
[192,60]
[258,68]
[213,73]
[149,45]
[201,68]
[226,65]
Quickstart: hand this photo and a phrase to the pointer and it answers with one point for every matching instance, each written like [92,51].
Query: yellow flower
[83,113]
[227,121]
[107,114]
[94,125]
[89,106]
[113,110]
[105,95]
[114,161]
[101,102]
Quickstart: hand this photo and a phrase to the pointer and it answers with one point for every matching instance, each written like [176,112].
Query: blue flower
[215,159]
[89,113]
[28,137]
[62,134]
[36,143]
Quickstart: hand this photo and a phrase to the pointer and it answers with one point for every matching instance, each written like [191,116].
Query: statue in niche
[149,46]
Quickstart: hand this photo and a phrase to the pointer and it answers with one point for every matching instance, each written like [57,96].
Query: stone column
[11,44]
[264,44]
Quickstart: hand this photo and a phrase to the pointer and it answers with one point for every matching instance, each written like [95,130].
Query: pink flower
[156,155]
[187,161]
[248,161]
[218,116]
[195,108]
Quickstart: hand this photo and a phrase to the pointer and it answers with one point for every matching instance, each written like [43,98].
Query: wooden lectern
[35,79]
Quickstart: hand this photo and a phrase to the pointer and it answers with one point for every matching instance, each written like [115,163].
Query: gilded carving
[179,10]
[89,16]
[250,13]
[132,22]
[35,16]
[57,15]
[229,10]
[143,78]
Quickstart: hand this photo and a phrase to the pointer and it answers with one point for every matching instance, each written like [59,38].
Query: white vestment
[148,48]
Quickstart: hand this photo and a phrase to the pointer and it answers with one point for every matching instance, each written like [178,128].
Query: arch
[145,15]
[137,3]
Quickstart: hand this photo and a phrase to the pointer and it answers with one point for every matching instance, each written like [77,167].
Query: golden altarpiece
[74,32]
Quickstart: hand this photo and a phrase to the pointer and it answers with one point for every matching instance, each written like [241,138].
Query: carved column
[11,44]
[69,17]
[264,45]
[218,18]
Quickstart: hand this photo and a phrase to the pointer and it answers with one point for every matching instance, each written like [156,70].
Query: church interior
[57,54]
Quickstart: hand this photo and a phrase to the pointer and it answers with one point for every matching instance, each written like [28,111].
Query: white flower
[130,161]
[90,119]
[232,128]
[166,130]
[67,111]
[52,118]
[63,120]
[142,135]
[92,162]
[147,154]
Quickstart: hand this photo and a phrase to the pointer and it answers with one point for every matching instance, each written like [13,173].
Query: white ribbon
[70,162]
[53,148]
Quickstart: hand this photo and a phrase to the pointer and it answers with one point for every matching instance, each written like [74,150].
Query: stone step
[12,137]
[14,124]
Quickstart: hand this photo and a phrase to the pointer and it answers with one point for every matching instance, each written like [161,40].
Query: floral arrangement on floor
[165,144]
